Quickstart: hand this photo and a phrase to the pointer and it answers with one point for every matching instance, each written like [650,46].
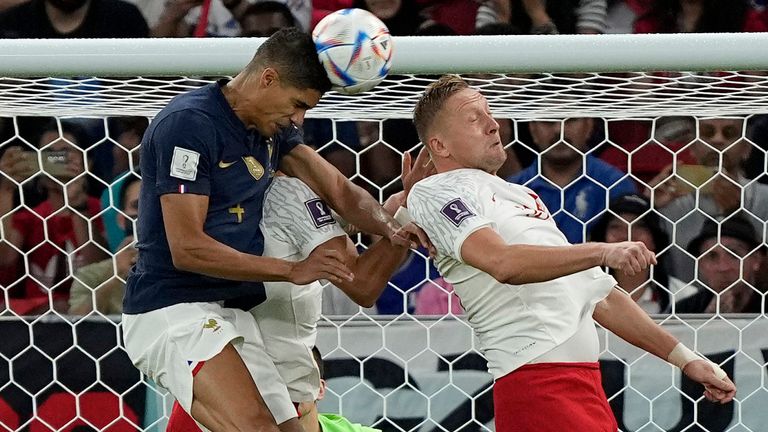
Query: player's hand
[321,264]
[716,389]
[416,237]
[630,257]
[413,173]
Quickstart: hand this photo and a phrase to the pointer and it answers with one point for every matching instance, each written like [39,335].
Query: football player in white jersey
[295,223]
[531,297]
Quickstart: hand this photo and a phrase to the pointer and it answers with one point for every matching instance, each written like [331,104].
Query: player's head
[291,52]
[454,121]
[283,81]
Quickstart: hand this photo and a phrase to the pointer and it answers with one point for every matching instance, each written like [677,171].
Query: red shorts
[552,397]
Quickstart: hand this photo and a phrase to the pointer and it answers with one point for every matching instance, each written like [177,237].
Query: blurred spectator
[436,297]
[180,18]
[572,195]
[689,16]
[58,229]
[730,256]
[402,17]
[553,16]
[459,15]
[631,218]
[44,19]
[128,132]
[722,188]
[103,283]
[264,18]
[7,4]
[620,18]
[321,9]
[17,165]
[650,155]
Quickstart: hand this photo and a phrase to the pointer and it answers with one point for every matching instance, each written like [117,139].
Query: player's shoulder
[285,187]
[455,181]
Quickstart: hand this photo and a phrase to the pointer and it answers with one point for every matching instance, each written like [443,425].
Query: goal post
[396,369]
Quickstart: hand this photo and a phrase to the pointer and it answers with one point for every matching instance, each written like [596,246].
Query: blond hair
[432,101]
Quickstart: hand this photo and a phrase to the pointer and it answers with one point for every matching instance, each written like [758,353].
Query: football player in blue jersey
[206,161]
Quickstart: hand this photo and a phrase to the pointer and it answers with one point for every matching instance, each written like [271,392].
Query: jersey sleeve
[288,138]
[183,153]
[448,215]
[298,216]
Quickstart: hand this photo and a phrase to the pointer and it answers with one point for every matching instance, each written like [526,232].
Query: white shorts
[166,344]
[288,323]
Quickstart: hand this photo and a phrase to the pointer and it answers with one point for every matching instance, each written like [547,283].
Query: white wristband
[402,216]
[681,356]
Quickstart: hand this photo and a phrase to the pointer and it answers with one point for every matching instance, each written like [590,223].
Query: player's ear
[437,147]
[321,393]
[268,77]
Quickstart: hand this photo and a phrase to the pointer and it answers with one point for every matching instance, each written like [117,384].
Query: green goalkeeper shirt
[337,423]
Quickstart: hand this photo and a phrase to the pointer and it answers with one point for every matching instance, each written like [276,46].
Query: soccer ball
[355,48]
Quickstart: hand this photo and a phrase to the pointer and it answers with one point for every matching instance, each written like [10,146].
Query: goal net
[677,120]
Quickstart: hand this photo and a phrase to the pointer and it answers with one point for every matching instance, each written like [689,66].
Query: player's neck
[235,92]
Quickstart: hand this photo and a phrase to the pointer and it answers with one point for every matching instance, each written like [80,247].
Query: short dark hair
[130,179]
[432,101]
[319,360]
[292,53]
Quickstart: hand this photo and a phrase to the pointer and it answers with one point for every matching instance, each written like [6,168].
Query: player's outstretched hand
[629,257]
[413,173]
[416,236]
[321,264]
[717,386]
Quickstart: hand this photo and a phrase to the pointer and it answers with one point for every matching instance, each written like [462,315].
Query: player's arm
[372,269]
[352,202]
[195,251]
[622,316]
[519,264]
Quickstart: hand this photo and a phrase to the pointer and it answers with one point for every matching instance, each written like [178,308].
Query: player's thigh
[225,396]
[171,344]
[265,374]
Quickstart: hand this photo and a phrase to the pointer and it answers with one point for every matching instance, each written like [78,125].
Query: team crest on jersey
[321,214]
[254,167]
[456,211]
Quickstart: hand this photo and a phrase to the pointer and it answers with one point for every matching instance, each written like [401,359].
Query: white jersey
[295,221]
[515,324]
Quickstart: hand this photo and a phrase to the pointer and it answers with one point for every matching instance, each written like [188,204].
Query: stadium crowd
[67,226]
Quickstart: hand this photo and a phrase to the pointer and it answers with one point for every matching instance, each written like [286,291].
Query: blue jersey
[198,145]
[581,201]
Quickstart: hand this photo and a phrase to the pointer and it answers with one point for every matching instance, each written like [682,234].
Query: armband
[402,216]
[681,355]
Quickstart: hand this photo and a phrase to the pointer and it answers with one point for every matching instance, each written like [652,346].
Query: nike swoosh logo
[225,165]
